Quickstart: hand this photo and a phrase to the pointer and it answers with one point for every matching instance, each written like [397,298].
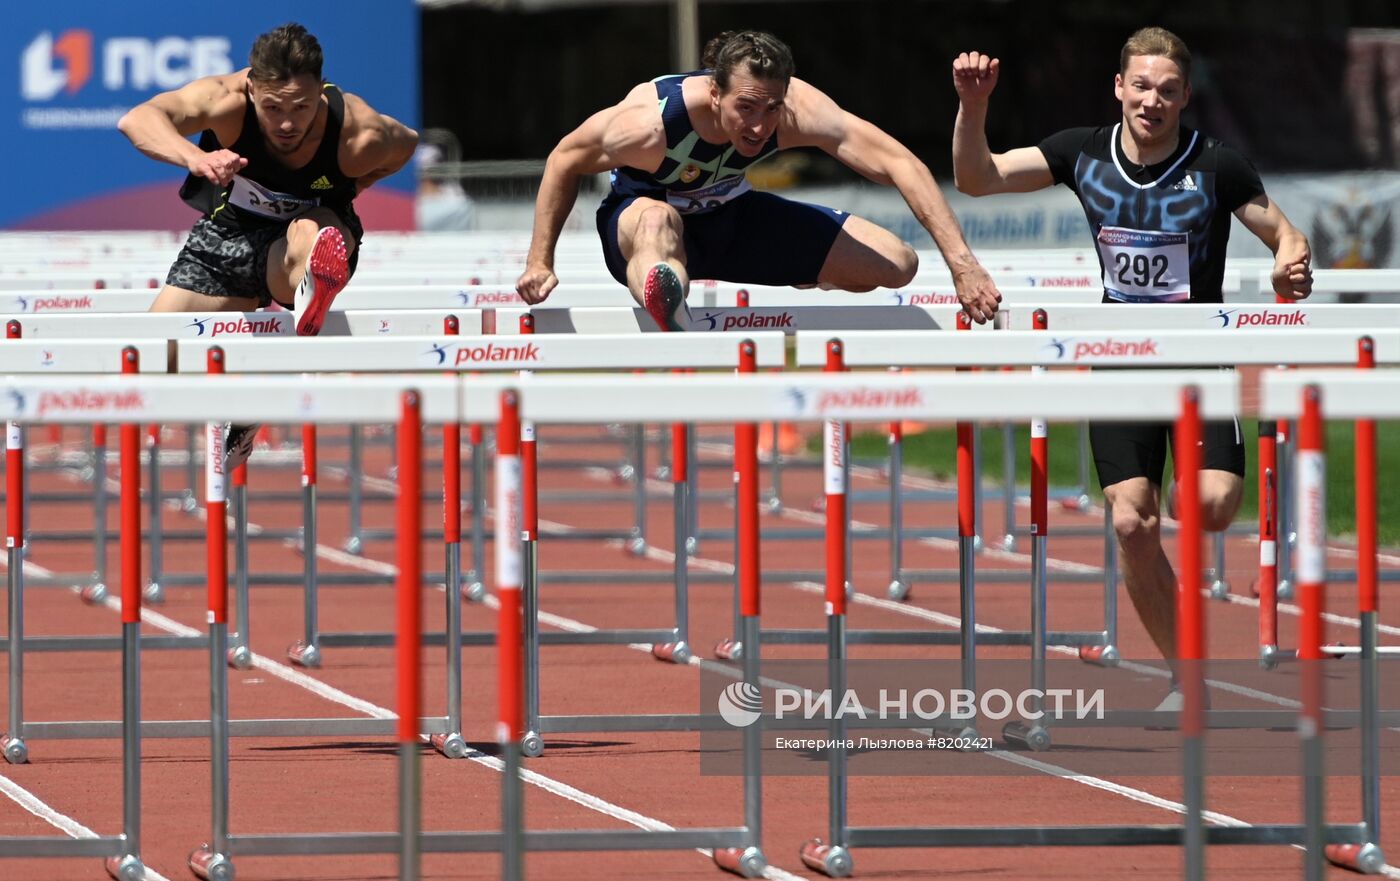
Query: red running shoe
[665,298]
[327,271]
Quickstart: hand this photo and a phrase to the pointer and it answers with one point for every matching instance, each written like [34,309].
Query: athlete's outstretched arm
[628,133]
[160,127]
[1292,274]
[376,145]
[815,120]
[978,171]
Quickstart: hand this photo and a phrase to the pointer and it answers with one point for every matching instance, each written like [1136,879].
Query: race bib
[708,198]
[259,200]
[1145,266]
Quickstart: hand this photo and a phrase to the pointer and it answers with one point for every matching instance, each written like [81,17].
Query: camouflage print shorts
[225,261]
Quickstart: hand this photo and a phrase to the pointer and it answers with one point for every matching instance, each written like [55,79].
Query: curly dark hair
[284,53]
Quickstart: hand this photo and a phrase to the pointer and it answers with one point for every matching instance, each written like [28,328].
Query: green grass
[934,453]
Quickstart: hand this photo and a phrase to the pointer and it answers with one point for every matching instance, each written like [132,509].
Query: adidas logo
[322,184]
[1186,183]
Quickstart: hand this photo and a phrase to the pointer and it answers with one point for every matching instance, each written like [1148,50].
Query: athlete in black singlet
[1159,198]
[281,157]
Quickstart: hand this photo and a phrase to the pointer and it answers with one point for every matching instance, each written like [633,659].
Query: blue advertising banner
[81,65]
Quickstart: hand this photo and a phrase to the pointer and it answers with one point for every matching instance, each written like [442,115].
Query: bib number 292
[1141,270]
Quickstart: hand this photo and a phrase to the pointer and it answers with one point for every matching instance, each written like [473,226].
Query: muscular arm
[376,145]
[978,171]
[161,126]
[629,133]
[817,121]
[1292,273]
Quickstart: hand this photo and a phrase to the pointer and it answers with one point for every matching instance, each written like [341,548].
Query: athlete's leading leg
[649,234]
[309,266]
[865,256]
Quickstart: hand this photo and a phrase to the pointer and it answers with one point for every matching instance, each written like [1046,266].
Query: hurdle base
[729,650]
[451,745]
[1268,656]
[1029,737]
[1219,589]
[475,592]
[1368,859]
[303,654]
[832,860]
[210,866]
[1099,655]
[747,862]
[154,594]
[673,652]
[15,750]
[240,657]
[94,594]
[127,867]
[898,590]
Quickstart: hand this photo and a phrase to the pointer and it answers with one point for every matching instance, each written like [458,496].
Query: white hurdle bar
[485,355]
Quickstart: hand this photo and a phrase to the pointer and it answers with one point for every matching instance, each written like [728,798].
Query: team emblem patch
[689,174]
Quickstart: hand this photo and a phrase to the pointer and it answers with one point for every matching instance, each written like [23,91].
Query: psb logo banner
[57,73]
[76,67]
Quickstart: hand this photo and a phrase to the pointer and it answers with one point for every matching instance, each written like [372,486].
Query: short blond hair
[1156,41]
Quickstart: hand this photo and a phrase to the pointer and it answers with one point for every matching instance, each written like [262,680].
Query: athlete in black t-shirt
[281,156]
[1158,198]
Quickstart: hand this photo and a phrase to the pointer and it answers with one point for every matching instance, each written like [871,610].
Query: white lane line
[334,695]
[31,802]
[62,822]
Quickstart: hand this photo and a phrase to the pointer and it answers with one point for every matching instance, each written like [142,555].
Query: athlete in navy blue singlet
[1159,198]
[680,205]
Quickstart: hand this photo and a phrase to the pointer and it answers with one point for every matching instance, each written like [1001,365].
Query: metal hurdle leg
[692,539]
[127,866]
[748,859]
[532,741]
[307,652]
[510,567]
[677,650]
[476,575]
[240,654]
[898,588]
[189,501]
[211,861]
[355,543]
[979,519]
[1286,533]
[452,744]
[833,859]
[1084,501]
[1191,634]
[1219,583]
[408,647]
[1310,487]
[16,752]
[1036,736]
[1008,494]
[155,592]
[99,510]
[637,545]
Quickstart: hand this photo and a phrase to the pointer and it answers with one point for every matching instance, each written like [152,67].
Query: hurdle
[1188,398]
[1241,318]
[488,354]
[50,401]
[1164,348]
[1362,396]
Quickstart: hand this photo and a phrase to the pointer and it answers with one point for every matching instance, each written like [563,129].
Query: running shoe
[238,444]
[327,271]
[664,296]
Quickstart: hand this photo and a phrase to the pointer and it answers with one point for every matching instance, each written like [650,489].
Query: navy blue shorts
[758,238]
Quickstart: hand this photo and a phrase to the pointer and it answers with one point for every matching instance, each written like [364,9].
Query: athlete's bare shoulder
[368,138]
